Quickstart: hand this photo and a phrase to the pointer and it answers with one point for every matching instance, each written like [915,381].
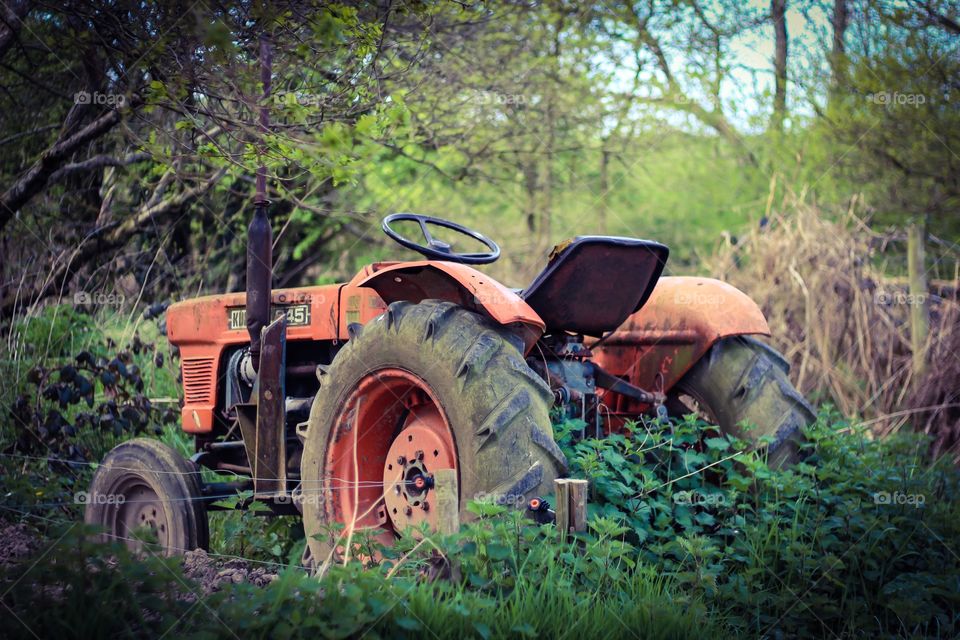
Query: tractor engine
[570,374]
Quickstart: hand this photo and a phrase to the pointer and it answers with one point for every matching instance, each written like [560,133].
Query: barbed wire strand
[342,481]
[156,544]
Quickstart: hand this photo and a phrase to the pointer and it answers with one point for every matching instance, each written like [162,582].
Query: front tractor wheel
[145,487]
[423,387]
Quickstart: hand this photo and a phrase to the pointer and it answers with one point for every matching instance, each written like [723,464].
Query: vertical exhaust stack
[259,234]
[259,276]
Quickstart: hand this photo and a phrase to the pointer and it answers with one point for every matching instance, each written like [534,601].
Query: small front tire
[143,484]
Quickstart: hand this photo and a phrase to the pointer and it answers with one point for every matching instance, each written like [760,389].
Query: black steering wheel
[438,249]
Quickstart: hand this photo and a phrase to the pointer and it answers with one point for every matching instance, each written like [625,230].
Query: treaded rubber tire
[741,379]
[174,479]
[497,407]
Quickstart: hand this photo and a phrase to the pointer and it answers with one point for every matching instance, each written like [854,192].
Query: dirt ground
[212,573]
[17,542]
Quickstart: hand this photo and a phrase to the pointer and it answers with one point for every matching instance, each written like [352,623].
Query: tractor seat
[591,284]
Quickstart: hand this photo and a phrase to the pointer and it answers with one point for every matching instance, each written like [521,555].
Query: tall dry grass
[844,325]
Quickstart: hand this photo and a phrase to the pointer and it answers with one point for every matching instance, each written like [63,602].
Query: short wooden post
[578,505]
[571,506]
[447,499]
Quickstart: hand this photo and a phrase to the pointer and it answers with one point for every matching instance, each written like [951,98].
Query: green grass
[146,598]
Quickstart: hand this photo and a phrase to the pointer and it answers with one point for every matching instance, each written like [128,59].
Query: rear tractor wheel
[743,381]
[423,387]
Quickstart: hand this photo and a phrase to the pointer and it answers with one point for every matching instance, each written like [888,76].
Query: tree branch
[111,236]
[32,181]
[97,162]
[11,20]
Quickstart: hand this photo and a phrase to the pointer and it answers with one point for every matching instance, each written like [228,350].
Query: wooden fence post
[919,291]
[571,506]
[448,503]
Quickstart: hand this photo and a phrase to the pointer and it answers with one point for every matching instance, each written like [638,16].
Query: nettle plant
[854,535]
[69,405]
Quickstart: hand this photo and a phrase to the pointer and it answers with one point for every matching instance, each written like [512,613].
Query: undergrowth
[857,539]
[689,536]
[685,539]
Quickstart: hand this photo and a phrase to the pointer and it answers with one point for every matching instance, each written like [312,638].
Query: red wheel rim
[389,438]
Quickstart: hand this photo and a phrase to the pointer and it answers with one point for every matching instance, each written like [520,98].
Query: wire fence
[158,546]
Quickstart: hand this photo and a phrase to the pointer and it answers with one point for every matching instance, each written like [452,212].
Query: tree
[660,33]
[778,15]
[140,127]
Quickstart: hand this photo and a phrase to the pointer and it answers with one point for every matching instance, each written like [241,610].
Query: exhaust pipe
[259,276]
[259,234]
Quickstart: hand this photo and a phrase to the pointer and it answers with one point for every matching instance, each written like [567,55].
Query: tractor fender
[460,284]
[681,320]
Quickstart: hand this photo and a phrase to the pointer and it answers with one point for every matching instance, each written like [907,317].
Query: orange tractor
[340,402]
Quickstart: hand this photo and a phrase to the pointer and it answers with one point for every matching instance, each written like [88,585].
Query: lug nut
[401,461]
[425,506]
[408,511]
[418,455]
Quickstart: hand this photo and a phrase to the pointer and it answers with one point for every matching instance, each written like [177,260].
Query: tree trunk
[839,22]
[778,13]
[33,180]
[546,209]
[530,188]
[11,21]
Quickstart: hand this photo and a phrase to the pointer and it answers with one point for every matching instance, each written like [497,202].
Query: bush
[686,531]
[824,284]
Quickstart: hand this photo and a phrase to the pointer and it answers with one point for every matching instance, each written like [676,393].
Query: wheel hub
[389,437]
[142,509]
[419,449]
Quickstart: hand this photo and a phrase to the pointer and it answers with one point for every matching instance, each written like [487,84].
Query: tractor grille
[199,385]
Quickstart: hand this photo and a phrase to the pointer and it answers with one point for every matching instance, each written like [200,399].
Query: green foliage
[100,389]
[74,590]
[82,395]
[857,536]
[526,585]
[687,537]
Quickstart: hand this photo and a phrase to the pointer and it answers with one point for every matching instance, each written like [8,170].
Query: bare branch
[32,181]
[97,162]
[11,20]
